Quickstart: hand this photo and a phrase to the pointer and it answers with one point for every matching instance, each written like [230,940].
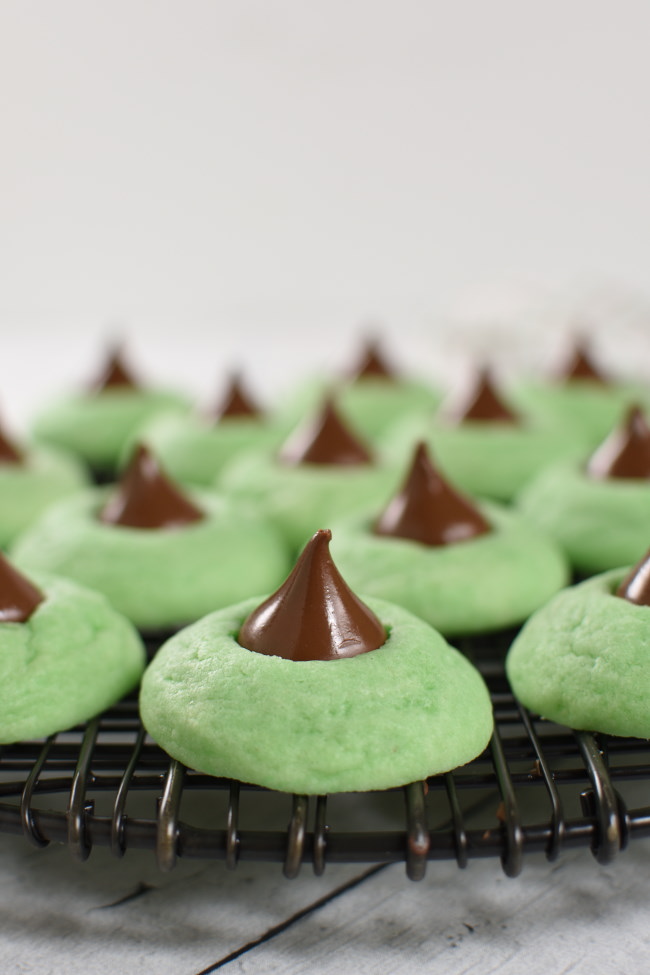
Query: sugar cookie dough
[28,488]
[97,426]
[158,577]
[195,450]
[584,659]
[74,657]
[412,708]
[486,583]
[600,524]
[492,460]
[320,473]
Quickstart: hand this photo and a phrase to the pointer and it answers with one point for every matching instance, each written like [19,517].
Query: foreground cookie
[162,557]
[598,511]
[465,568]
[65,655]
[315,691]
[584,659]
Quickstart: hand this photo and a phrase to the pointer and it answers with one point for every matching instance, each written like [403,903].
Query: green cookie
[159,577]
[370,406]
[600,523]
[194,450]
[414,707]
[27,489]
[97,426]
[73,658]
[487,459]
[584,660]
[300,499]
[591,409]
[485,583]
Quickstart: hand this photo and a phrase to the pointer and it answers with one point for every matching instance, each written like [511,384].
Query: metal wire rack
[537,787]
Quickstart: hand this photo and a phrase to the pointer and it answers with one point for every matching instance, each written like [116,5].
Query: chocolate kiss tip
[115,373]
[325,440]
[635,587]
[581,366]
[314,615]
[18,596]
[146,498]
[237,402]
[373,365]
[429,510]
[485,403]
[626,451]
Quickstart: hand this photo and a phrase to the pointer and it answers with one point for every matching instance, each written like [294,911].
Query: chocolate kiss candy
[115,374]
[428,510]
[18,597]
[636,584]
[146,498]
[626,451]
[580,367]
[485,403]
[373,365]
[9,453]
[237,402]
[314,615]
[325,440]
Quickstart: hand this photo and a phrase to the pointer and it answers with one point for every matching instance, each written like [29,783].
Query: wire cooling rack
[537,787]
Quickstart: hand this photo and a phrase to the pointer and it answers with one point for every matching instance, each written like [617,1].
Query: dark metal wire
[296,837]
[417,832]
[232,827]
[78,807]
[521,796]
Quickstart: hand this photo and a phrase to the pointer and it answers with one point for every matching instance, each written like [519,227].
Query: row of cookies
[465,525]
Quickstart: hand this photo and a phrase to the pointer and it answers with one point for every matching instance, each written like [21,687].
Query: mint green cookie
[589,408]
[584,660]
[96,426]
[73,658]
[414,707]
[599,523]
[194,450]
[369,405]
[487,459]
[300,499]
[27,489]
[485,583]
[158,577]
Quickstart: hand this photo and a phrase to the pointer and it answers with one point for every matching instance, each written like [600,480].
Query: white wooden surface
[108,916]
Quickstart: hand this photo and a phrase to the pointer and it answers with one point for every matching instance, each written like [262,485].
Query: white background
[243,182]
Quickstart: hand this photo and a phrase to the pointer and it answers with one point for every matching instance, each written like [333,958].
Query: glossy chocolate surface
[580,366]
[115,374]
[484,403]
[626,451]
[373,364]
[314,615]
[325,440]
[429,510]
[146,498]
[635,587]
[18,597]
[237,402]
